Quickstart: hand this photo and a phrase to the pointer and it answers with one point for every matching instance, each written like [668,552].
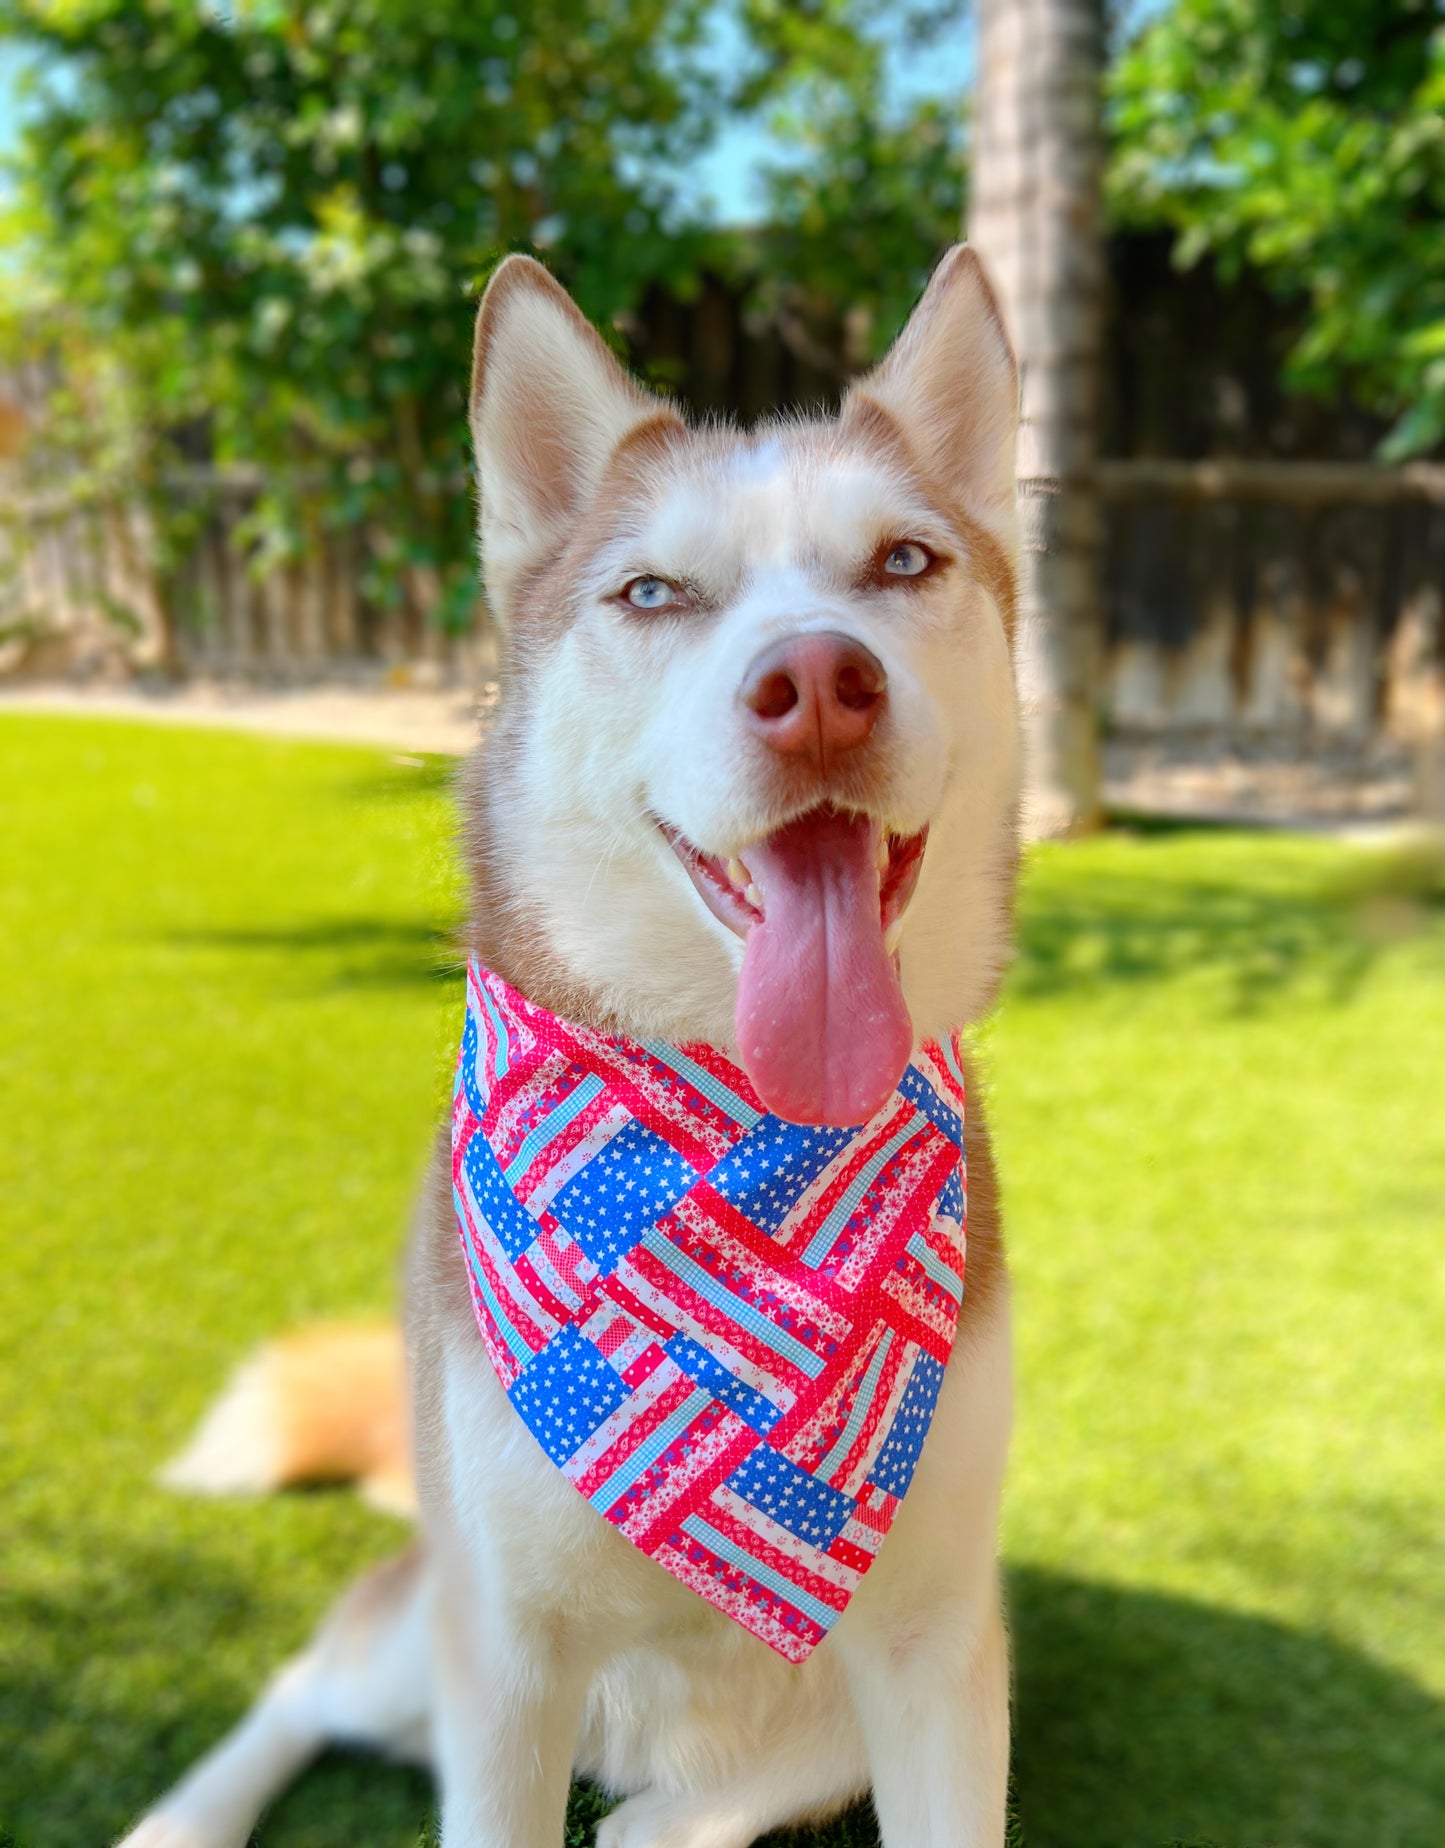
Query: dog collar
[727,1331]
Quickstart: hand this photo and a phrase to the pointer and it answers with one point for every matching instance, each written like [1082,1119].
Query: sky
[8,67]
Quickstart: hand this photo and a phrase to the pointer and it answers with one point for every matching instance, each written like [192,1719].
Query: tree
[1306,139]
[250,233]
[1036,216]
[268,219]
[870,191]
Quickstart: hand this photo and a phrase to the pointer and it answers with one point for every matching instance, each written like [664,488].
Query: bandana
[727,1331]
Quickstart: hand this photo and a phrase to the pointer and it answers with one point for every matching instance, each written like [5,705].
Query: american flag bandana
[727,1331]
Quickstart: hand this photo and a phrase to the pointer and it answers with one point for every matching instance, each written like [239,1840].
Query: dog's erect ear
[549,406]
[950,384]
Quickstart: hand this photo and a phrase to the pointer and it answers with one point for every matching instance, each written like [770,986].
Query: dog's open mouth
[822,1025]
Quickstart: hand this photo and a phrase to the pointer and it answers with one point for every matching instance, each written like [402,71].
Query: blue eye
[908,559]
[652,593]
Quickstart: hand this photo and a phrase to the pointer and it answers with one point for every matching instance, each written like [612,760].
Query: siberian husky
[757,762]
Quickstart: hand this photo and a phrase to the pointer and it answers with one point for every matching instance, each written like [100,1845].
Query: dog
[752,793]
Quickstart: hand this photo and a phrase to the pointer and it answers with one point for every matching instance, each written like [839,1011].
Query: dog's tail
[326,1404]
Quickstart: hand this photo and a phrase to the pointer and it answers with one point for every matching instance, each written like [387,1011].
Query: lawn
[225,1028]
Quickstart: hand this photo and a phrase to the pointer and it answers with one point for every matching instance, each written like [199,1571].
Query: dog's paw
[656,1820]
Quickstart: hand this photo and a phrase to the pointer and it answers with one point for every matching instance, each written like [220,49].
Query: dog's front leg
[924,1642]
[509,1697]
[933,1706]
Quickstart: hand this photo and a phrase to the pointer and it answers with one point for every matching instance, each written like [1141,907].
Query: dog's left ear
[950,385]
[549,407]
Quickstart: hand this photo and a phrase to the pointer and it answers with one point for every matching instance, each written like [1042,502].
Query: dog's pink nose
[815,695]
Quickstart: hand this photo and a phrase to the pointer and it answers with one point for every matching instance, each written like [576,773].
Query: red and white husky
[758,739]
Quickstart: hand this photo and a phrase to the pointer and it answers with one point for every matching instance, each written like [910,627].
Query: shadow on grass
[1130,927]
[1144,1719]
[119,1667]
[1141,1720]
[347,953]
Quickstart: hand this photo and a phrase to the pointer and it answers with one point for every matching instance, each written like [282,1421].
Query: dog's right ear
[549,407]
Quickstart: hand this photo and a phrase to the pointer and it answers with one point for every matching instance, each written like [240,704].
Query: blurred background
[241,243]
[240,251]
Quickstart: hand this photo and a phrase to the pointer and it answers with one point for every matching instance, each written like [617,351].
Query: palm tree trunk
[1036,216]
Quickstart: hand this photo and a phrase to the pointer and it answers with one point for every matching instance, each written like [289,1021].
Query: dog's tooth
[754,896]
[881,857]
[891,935]
[738,873]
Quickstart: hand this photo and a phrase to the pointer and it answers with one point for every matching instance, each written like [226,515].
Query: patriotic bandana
[727,1331]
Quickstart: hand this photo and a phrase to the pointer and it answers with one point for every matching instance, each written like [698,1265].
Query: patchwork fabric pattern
[727,1331]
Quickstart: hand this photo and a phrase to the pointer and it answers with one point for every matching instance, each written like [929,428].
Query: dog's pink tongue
[822,1025]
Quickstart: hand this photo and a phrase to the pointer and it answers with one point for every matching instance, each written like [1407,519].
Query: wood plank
[1301,483]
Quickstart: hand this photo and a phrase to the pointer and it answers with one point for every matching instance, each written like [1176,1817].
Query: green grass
[225,1028]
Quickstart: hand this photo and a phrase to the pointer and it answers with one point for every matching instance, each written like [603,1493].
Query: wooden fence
[1242,598]
[82,591]
[1273,598]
